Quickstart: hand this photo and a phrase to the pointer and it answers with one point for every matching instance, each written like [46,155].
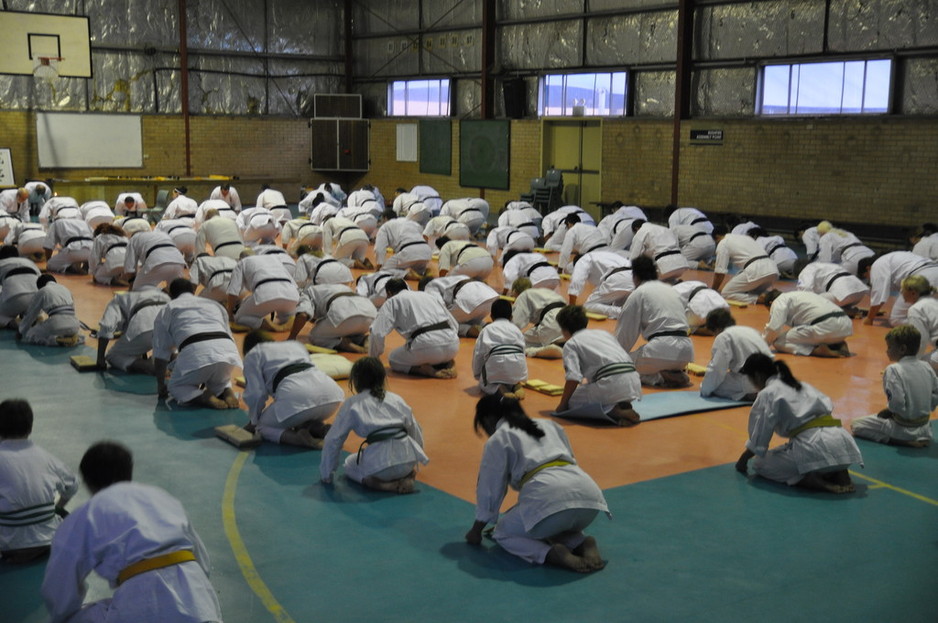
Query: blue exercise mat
[655,406]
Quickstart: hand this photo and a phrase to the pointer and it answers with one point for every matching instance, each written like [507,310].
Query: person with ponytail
[923,315]
[393,440]
[818,452]
[557,500]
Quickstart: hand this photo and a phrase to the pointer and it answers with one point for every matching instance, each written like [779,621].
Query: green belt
[911,423]
[824,421]
[29,516]
[501,349]
[529,475]
[381,434]
[610,369]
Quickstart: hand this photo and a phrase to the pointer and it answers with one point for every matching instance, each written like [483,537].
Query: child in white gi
[34,487]
[731,349]
[911,389]
[557,500]
[498,360]
[819,451]
[393,440]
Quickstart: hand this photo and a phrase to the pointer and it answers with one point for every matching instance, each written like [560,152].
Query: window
[838,88]
[419,98]
[566,95]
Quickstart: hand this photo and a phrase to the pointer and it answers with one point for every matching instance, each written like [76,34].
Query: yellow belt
[824,421]
[157,562]
[528,476]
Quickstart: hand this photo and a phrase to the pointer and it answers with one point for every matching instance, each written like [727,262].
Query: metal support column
[184,81]
[682,86]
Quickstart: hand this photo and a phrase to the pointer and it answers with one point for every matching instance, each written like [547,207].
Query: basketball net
[47,68]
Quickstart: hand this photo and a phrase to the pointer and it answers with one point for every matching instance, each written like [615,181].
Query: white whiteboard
[88,140]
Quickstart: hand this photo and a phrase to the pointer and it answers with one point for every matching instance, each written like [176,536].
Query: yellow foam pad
[696,369]
[240,382]
[237,436]
[544,250]
[505,297]
[320,349]
[738,304]
[84,363]
[544,387]
[595,316]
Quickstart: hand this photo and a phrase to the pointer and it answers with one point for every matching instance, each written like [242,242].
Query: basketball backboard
[29,37]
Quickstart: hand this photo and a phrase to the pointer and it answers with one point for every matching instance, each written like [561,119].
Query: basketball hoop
[47,67]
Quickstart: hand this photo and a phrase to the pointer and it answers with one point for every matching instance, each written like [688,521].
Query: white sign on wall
[6,167]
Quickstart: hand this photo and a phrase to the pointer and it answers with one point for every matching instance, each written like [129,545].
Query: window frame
[448,101]
[542,93]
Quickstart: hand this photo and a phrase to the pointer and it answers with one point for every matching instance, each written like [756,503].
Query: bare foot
[551,351]
[823,350]
[348,346]
[402,485]
[440,371]
[625,415]
[300,437]
[674,379]
[474,331]
[561,556]
[207,400]
[589,550]
[816,482]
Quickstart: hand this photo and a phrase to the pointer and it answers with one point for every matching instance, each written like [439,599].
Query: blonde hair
[918,284]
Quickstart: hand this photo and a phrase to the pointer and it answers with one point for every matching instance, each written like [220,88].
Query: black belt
[675,333]
[185,216]
[204,337]
[219,272]
[76,239]
[922,267]
[305,225]
[700,219]
[116,245]
[755,259]
[439,326]
[458,287]
[535,266]
[270,280]
[547,309]
[338,236]
[175,227]
[667,253]
[273,251]
[470,210]
[776,248]
[287,370]
[22,270]
[831,281]
[162,245]
[61,309]
[450,224]
[319,265]
[228,244]
[695,292]
[143,305]
[381,434]
[461,251]
[850,246]
[379,279]
[335,296]
[528,224]
[410,244]
[617,269]
[697,235]
[820,319]
[615,227]
[597,247]
[512,233]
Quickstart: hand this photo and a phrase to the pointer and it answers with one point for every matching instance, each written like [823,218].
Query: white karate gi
[887,273]
[923,315]
[730,350]
[471,303]
[832,282]
[699,300]
[535,267]
[363,217]
[553,221]
[17,285]
[911,389]
[508,239]
[276,203]
[133,314]
[213,273]
[37,199]
[121,525]
[208,362]
[299,398]
[622,235]
[743,228]
[343,239]
[696,244]
[258,225]
[7,223]
[323,210]
[408,312]
[312,270]
[337,312]
[120,205]
[460,257]
[592,267]
[370,199]
[405,237]
[73,239]
[182,233]
[31,483]
[181,207]
[231,198]
[660,244]
[780,409]
[224,209]
[603,369]
[614,288]
[301,231]
[801,311]
[10,205]
[222,235]
[96,213]
[156,256]
[285,258]
[332,190]
[429,197]
[811,240]
[445,226]
[778,252]
[271,287]
[389,459]
[841,247]
[59,208]
[56,303]
[471,212]
[652,309]
[29,239]
[521,215]
[372,285]
[557,503]
[132,224]
[498,356]
[581,239]
[927,246]
[757,271]
[690,216]
[529,310]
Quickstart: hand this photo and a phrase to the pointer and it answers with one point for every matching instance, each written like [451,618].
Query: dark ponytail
[784,372]
[492,408]
[368,374]
[761,365]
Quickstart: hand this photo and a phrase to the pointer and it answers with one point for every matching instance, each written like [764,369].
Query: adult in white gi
[15,202]
[312,270]
[317,205]
[591,268]
[472,212]
[220,207]
[811,240]
[332,190]
[128,531]
[660,244]
[655,312]
[468,300]
[923,315]
[132,315]
[743,227]
[258,225]
[697,246]
[132,224]
[911,389]
[17,285]
[498,360]
[430,331]
[819,451]
[428,196]
[699,300]
[461,257]
[393,446]
[552,222]
[39,193]
[818,326]
[221,234]
[532,266]
[535,313]
[213,273]
[7,223]
[96,213]
[50,319]
[361,216]
[610,221]
[153,256]
[507,239]
[557,500]
[342,317]
[270,288]
[273,200]
[687,216]
[35,487]
[622,234]
[445,226]
[344,240]
[757,271]
[71,241]
[129,204]
[181,206]
[926,244]
[367,196]
[183,235]
[580,239]
[301,231]
[285,258]
[886,274]
[732,346]
[59,208]
[597,370]
[197,330]
[838,246]
[405,237]
[408,206]
[833,283]
[775,247]
[227,193]
[521,215]
[303,395]
[372,285]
